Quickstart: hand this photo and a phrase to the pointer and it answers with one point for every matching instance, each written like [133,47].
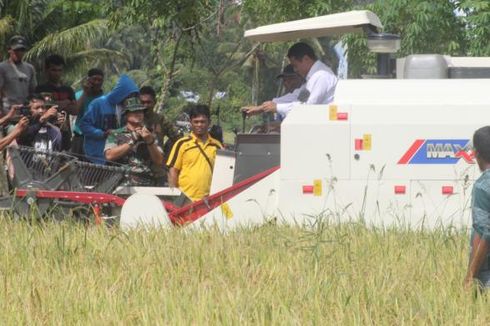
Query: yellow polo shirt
[195,171]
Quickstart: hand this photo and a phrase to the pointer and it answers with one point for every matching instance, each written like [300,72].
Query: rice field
[68,273]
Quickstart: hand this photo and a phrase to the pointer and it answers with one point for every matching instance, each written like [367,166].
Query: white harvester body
[386,151]
[400,153]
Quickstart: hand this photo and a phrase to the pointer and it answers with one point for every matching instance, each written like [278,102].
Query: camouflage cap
[134,107]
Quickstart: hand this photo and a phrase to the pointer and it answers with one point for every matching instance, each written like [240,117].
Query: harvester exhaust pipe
[384,45]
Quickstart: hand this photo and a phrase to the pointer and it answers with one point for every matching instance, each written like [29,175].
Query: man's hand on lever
[269,107]
[252,110]
[265,107]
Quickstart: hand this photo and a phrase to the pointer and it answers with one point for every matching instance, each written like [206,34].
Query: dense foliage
[197,46]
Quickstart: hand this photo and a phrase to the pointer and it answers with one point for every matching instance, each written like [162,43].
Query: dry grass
[63,273]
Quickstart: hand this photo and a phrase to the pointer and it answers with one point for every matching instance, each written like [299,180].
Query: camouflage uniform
[138,158]
[162,128]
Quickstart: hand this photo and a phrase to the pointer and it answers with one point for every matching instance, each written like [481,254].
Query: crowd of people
[118,127]
[122,127]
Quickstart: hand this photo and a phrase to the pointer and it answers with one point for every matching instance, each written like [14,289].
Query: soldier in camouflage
[164,130]
[135,145]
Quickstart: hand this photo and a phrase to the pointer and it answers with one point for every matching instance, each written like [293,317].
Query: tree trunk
[169,74]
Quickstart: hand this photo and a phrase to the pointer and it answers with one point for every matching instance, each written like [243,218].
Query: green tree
[74,29]
[169,25]
[424,27]
[477,19]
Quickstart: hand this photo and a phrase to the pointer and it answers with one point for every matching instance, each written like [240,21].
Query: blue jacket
[101,116]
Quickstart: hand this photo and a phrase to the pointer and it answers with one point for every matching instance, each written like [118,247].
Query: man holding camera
[164,130]
[5,141]
[160,125]
[16,130]
[135,145]
[61,95]
[40,133]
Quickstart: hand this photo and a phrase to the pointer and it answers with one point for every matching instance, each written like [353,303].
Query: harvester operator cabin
[126,149]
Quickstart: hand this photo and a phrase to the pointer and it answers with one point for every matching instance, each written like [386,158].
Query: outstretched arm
[18,129]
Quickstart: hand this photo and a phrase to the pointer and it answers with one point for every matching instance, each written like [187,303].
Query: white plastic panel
[254,206]
[413,92]
[421,142]
[373,201]
[313,146]
[223,172]
[328,25]
[297,207]
[432,208]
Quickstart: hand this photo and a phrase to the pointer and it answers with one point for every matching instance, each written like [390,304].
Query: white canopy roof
[335,24]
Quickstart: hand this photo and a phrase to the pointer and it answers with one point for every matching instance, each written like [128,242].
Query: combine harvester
[387,151]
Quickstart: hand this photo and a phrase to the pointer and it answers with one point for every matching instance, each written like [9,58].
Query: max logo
[438,151]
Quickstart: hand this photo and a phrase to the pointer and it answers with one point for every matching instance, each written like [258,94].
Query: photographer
[164,130]
[55,91]
[14,133]
[16,130]
[7,140]
[136,146]
[41,133]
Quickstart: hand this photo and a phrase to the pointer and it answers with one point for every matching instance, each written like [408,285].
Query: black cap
[18,42]
[288,71]
[48,98]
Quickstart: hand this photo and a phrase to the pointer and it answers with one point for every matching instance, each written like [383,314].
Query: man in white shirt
[318,89]
[291,82]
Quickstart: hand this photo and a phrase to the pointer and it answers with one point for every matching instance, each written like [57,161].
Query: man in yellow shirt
[191,160]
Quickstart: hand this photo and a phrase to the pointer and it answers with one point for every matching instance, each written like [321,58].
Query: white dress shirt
[318,89]
[288,98]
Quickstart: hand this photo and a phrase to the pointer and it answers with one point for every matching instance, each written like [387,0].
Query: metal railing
[31,168]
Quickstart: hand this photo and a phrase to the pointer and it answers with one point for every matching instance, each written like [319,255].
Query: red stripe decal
[411,151]
[79,197]
[198,209]
[468,157]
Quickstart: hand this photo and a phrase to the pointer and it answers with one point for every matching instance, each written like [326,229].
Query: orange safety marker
[367,142]
[226,211]
[332,112]
[317,187]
